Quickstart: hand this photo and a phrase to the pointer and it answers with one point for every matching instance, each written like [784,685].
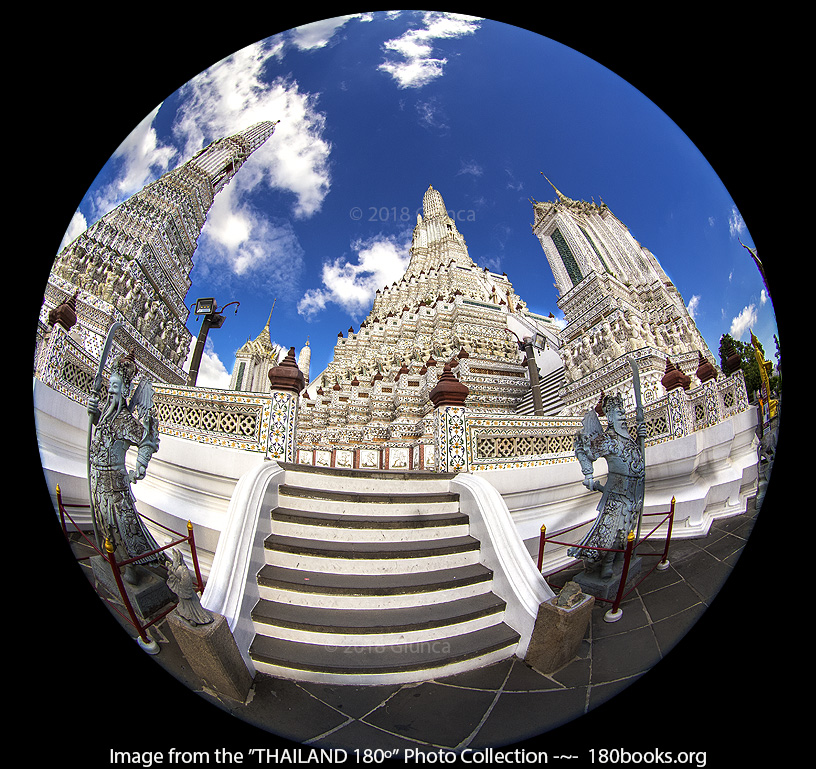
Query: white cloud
[318,34]
[230,96]
[353,285]
[431,114]
[415,65]
[76,227]
[139,160]
[471,167]
[736,224]
[221,101]
[745,320]
[693,304]
[513,183]
[242,243]
[211,371]
[763,298]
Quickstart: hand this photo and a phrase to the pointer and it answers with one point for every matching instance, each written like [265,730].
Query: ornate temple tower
[617,301]
[304,361]
[444,309]
[134,264]
[436,239]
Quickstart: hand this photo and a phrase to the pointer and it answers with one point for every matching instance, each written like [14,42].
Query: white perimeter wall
[711,473]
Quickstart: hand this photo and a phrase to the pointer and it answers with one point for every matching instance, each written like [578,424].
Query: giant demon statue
[113,432]
[622,494]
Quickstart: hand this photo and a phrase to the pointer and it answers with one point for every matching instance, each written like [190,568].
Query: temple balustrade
[700,448]
[491,440]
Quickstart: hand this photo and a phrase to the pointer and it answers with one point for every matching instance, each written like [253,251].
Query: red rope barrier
[631,546]
[148,643]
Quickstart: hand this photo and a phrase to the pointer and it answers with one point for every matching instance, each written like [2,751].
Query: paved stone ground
[505,705]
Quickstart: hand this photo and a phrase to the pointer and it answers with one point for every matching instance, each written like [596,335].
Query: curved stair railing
[231,588]
[515,577]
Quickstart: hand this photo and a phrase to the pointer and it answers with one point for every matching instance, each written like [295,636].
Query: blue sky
[373,109]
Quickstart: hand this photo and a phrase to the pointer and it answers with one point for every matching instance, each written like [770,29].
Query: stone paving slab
[500,705]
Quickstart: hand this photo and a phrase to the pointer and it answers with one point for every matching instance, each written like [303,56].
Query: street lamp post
[211,319]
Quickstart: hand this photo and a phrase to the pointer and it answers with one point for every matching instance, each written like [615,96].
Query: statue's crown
[608,403]
[126,367]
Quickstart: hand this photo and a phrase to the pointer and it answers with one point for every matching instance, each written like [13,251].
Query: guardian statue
[622,494]
[113,432]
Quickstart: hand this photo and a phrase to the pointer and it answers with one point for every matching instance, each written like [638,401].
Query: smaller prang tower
[133,265]
[253,362]
[617,302]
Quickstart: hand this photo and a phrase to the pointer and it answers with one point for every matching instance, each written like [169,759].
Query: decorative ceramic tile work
[344,458]
[451,438]
[370,459]
[283,426]
[495,442]
[462,440]
[398,458]
[218,417]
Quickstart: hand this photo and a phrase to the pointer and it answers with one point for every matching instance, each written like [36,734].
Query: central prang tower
[436,239]
[444,310]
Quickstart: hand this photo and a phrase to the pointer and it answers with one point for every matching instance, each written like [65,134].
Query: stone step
[365,503]
[550,400]
[360,528]
[380,626]
[354,591]
[373,578]
[370,557]
[383,663]
[361,481]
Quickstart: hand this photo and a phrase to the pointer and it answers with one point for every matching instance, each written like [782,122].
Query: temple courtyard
[597,697]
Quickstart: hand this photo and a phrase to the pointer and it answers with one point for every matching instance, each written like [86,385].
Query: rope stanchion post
[61,511]
[542,539]
[615,613]
[664,561]
[143,639]
[194,556]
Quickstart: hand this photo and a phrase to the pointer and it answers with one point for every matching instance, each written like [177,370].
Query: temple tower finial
[561,195]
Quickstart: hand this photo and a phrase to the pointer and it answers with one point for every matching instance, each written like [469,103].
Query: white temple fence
[464,441]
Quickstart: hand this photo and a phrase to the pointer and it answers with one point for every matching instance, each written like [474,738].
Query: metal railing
[131,616]
[632,543]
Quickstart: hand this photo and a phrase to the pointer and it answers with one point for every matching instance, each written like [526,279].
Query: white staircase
[549,385]
[373,578]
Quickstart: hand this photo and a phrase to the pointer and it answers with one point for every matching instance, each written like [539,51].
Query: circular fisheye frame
[407,386]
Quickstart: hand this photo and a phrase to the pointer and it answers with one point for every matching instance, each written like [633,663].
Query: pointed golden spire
[269,319]
[558,192]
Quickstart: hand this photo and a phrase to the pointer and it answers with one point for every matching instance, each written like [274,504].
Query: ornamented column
[707,375]
[676,383]
[450,434]
[287,382]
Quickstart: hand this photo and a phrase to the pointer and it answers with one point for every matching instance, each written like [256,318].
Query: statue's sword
[640,420]
[95,388]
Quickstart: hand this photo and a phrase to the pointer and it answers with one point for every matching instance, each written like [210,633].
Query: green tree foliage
[748,363]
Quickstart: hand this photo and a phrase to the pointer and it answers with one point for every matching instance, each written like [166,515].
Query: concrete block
[558,633]
[213,655]
[147,598]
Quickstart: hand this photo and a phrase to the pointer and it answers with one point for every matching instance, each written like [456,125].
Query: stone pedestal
[558,633]
[213,655]
[592,584]
[147,598]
